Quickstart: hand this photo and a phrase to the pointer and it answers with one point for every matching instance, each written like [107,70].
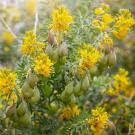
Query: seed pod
[112,59]
[32,80]
[65,98]
[25,120]
[35,97]
[22,108]
[50,38]
[49,51]
[94,71]
[27,90]
[55,55]
[62,50]
[85,83]
[77,89]
[53,107]
[73,99]
[69,89]
[11,111]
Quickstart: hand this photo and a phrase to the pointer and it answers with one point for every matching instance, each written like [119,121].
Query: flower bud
[55,56]
[22,108]
[85,83]
[73,98]
[27,90]
[32,80]
[35,97]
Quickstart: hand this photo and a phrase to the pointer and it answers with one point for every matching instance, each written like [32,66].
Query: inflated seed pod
[32,80]
[69,89]
[11,111]
[73,98]
[27,90]
[53,107]
[35,97]
[112,59]
[55,56]
[22,108]
[62,49]
[49,51]
[25,120]
[51,39]
[77,89]
[85,83]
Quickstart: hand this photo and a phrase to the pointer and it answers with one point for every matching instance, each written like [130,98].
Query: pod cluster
[20,113]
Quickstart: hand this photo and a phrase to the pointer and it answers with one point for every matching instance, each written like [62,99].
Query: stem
[8,28]
[36,21]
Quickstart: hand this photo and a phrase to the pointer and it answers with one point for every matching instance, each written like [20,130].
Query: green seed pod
[94,71]
[53,107]
[49,51]
[35,97]
[25,120]
[64,97]
[85,83]
[73,99]
[27,90]
[77,89]
[112,59]
[69,89]
[22,108]
[32,80]
[55,55]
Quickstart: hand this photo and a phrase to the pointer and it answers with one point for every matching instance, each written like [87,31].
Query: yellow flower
[61,19]
[43,65]
[7,81]
[30,45]
[8,38]
[99,11]
[107,18]
[121,81]
[70,112]
[31,6]
[105,7]
[89,56]
[106,42]
[123,24]
[98,120]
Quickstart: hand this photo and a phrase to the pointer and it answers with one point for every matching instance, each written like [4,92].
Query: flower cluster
[123,24]
[43,65]
[98,121]
[104,19]
[8,81]
[8,38]
[89,56]
[121,82]
[30,45]
[69,112]
[61,19]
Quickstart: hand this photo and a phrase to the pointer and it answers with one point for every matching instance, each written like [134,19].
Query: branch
[36,21]
[8,28]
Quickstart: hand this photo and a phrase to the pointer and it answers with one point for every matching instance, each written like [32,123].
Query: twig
[36,21]
[9,29]
[115,130]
